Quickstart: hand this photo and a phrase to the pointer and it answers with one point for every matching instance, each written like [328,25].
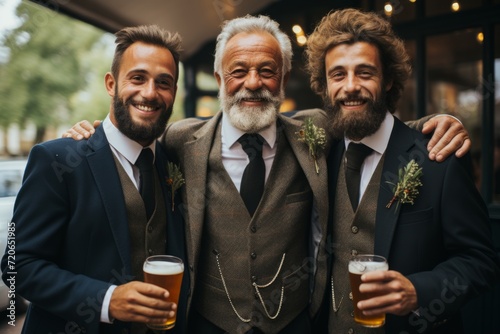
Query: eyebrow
[141,71]
[359,66]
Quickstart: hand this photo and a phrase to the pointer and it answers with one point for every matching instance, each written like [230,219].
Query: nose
[148,91]
[253,81]
[351,84]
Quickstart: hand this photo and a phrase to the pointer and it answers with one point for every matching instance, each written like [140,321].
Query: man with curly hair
[439,257]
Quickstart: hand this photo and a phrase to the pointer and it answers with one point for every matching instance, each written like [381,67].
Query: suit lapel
[175,223]
[398,153]
[102,165]
[318,182]
[196,154]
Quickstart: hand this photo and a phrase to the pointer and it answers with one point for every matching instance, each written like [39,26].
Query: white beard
[250,119]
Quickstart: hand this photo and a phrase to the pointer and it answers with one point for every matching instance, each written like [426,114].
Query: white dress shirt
[378,143]
[126,151]
[235,159]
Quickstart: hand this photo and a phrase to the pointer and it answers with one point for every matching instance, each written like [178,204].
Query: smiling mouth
[253,100]
[353,103]
[145,108]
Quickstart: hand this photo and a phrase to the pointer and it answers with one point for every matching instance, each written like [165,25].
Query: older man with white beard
[256,247]
[251,263]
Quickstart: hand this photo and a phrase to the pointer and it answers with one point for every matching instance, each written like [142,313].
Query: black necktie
[355,155]
[252,182]
[146,185]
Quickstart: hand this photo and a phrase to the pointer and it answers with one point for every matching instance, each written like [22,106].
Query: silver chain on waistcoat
[256,287]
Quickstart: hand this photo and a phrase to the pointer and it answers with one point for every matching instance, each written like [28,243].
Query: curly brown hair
[349,26]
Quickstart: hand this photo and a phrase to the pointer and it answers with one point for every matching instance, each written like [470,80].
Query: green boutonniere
[405,191]
[174,180]
[315,139]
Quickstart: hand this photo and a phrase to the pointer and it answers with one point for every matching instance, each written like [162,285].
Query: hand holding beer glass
[165,271]
[359,265]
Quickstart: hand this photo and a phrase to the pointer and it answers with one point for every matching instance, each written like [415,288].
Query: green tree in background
[44,68]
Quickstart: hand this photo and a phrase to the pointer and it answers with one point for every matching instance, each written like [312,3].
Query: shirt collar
[380,139]
[230,134]
[127,147]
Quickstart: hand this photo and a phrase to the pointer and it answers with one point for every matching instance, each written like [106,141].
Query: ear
[388,86]
[218,78]
[110,83]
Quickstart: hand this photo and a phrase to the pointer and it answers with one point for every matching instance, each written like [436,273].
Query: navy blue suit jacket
[72,236]
[442,243]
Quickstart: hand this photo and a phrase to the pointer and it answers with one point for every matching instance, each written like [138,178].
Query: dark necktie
[146,185]
[252,182]
[355,155]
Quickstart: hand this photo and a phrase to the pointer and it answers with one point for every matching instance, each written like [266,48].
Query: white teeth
[144,108]
[353,103]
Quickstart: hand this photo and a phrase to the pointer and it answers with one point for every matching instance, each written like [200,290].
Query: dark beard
[352,127]
[139,133]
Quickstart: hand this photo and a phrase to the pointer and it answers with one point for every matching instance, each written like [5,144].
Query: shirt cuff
[105,317]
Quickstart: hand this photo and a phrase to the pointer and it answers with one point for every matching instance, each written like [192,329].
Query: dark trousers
[200,325]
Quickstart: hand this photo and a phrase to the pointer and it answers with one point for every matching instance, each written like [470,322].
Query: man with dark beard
[82,230]
[426,218]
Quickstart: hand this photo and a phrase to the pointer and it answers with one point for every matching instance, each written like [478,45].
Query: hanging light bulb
[388,9]
[297,29]
[480,37]
[455,6]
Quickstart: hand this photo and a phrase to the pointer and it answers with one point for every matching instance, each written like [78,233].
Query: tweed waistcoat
[353,233]
[269,250]
[146,238]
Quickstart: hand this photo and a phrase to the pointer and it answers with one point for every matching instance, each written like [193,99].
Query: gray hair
[251,24]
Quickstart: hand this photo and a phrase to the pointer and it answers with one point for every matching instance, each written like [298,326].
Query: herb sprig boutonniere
[405,191]
[174,180]
[315,139]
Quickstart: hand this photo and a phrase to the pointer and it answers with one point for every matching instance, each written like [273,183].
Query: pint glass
[358,265]
[165,271]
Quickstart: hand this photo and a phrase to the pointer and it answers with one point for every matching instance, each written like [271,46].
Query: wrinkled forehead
[252,47]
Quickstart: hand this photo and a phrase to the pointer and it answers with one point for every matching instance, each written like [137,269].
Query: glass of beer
[358,265]
[165,271]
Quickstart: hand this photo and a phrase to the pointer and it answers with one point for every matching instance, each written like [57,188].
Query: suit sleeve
[470,264]
[41,218]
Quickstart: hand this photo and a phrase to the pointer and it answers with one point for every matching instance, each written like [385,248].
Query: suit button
[354,252]
[354,229]
[350,295]
[150,228]
[150,251]
[253,255]
[253,228]
[350,331]
[254,278]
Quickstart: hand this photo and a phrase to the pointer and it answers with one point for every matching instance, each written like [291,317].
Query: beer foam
[358,267]
[163,268]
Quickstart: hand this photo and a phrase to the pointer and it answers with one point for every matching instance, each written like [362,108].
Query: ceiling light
[388,9]
[455,6]
[297,29]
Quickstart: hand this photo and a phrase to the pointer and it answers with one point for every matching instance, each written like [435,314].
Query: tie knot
[252,144]
[145,159]
[356,154]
